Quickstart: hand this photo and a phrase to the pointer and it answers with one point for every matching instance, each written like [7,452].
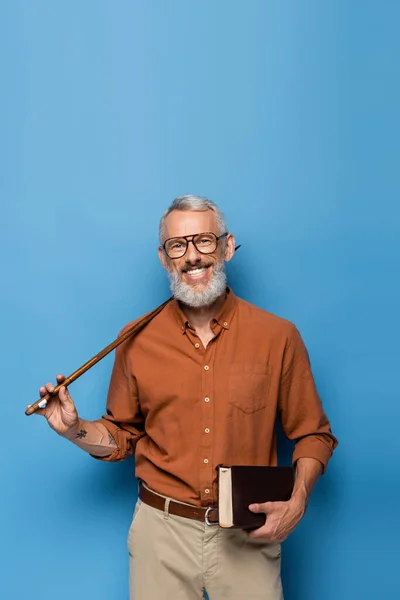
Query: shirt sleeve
[124,419]
[301,411]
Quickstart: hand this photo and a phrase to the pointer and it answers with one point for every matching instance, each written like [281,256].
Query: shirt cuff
[122,449]
[313,447]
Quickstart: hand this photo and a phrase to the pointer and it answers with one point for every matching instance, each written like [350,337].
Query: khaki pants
[176,558]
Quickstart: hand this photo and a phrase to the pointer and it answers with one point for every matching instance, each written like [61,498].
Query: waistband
[208,515]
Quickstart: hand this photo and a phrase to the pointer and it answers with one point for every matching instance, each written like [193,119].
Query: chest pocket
[249,386]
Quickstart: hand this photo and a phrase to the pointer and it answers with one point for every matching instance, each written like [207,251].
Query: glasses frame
[186,238]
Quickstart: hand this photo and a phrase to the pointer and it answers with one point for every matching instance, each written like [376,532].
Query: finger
[265,507]
[46,389]
[64,395]
[269,535]
[60,378]
[269,507]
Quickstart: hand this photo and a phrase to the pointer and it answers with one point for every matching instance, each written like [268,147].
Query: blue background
[286,113]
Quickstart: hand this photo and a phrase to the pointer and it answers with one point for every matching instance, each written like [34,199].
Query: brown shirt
[184,409]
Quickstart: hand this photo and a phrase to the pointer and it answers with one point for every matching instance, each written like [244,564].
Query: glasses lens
[175,247]
[205,242]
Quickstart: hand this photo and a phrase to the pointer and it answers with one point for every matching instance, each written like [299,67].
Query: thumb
[265,507]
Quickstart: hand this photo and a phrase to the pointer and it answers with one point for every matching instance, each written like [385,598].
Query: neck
[201,317]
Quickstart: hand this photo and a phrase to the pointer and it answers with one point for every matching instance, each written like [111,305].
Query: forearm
[94,438]
[308,470]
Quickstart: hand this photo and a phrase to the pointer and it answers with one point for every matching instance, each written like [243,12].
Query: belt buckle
[208,522]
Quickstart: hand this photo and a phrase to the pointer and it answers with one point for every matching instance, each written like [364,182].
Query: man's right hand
[60,411]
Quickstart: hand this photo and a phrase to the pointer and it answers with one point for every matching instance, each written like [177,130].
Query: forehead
[188,222]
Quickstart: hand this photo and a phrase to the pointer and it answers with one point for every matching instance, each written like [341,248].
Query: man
[202,385]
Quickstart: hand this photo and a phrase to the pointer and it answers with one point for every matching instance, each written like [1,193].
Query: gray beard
[189,296]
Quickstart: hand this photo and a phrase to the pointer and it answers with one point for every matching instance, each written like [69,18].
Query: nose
[192,254]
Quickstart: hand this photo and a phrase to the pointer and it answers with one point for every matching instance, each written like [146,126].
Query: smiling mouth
[196,272]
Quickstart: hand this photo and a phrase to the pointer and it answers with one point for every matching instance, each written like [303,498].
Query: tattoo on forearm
[111,440]
[82,434]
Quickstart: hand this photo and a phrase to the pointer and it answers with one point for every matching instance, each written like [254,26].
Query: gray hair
[190,202]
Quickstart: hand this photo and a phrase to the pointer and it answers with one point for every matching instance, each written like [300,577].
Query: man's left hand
[282,519]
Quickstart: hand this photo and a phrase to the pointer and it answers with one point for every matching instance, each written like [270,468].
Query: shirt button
[207,430]
[207,491]
[206,367]
[225,324]
[197,345]
[206,399]
[206,460]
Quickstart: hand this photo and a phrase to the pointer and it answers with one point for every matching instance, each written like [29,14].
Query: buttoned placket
[206,423]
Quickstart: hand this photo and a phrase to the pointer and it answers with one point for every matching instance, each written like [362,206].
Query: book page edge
[225,498]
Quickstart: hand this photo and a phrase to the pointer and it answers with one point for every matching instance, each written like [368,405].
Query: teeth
[197,271]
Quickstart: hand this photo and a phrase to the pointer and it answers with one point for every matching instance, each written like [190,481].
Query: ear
[163,258]
[229,247]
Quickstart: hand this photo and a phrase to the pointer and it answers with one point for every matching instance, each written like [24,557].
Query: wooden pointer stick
[41,403]
[129,333]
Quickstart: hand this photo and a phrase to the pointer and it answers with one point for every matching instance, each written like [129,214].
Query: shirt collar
[223,317]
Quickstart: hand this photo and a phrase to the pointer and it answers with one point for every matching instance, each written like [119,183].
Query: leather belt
[208,515]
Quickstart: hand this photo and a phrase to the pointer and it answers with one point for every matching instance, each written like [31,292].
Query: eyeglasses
[205,243]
